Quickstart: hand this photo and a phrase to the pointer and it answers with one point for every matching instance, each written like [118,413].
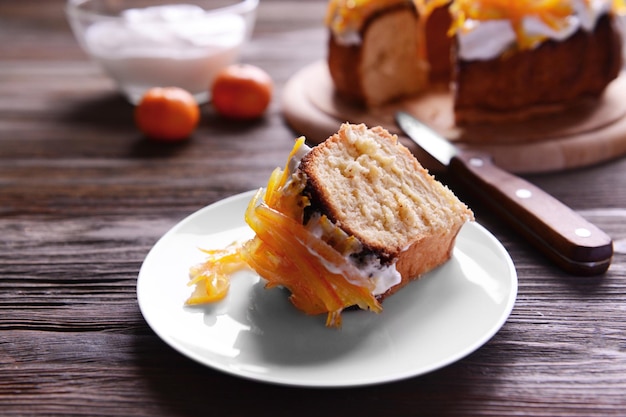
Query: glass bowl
[150,43]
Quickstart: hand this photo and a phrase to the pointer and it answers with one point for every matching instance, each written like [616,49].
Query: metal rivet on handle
[476,162]
[523,193]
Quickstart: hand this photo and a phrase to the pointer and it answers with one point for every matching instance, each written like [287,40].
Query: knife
[565,237]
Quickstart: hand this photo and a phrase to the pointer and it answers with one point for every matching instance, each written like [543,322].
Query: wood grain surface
[83,198]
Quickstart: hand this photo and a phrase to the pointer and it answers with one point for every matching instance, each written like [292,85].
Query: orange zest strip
[349,15]
[343,16]
[553,13]
[299,262]
[211,278]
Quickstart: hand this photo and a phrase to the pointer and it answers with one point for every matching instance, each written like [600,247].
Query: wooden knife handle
[576,245]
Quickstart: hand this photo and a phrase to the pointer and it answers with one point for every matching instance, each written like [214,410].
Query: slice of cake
[374,189]
[347,223]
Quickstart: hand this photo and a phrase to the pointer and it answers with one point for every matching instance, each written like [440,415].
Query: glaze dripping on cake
[503,60]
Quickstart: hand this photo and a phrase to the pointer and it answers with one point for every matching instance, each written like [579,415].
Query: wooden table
[83,197]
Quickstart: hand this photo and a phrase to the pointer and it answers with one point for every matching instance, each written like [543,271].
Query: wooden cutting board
[586,135]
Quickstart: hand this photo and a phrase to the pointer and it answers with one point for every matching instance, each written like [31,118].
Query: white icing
[348,38]
[383,277]
[294,162]
[488,39]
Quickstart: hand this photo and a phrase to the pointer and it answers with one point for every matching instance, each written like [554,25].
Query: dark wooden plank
[83,197]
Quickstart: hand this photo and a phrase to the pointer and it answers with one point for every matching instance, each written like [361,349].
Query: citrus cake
[501,60]
[346,223]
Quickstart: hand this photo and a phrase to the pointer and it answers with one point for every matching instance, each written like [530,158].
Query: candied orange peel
[212,277]
[345,15]
[349,15]
[553,13]
[311,261]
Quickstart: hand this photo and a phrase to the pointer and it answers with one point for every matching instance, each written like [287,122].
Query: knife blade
[569,240]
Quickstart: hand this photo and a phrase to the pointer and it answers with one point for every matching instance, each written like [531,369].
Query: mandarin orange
[242,91]
[167,114]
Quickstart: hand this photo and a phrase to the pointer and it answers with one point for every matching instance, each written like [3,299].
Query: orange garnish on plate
[212,277]
[314,266]
[286,254]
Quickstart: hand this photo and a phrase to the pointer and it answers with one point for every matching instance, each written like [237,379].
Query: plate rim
[360,382]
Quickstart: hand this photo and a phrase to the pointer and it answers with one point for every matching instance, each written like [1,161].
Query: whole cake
[501,59]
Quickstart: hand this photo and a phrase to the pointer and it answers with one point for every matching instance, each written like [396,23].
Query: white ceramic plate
[257,334]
